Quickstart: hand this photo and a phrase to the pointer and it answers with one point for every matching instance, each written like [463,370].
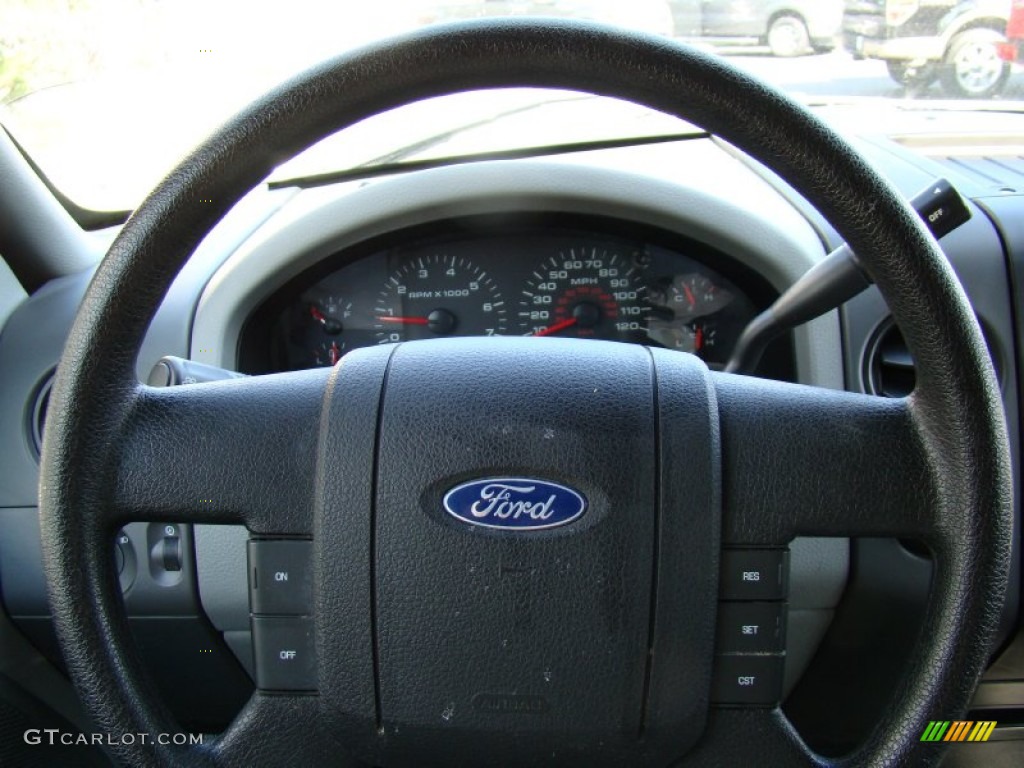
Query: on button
[281,577]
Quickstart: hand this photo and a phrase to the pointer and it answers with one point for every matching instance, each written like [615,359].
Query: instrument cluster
[541,279]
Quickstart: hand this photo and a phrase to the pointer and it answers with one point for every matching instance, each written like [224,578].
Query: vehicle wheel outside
[972,68]
[911,77]
[788,36]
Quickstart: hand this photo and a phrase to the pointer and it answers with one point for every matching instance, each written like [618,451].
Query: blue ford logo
[514,503]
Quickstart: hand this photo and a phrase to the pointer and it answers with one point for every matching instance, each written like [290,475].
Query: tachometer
[439,295]
[589,292]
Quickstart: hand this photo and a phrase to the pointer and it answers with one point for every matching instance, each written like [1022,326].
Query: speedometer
[439,295]
[589,292]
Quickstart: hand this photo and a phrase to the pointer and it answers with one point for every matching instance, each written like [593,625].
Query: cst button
[750,680]
[285,653]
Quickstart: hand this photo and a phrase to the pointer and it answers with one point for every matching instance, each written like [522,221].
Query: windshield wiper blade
[1014,107]
[429,142]
[365,171]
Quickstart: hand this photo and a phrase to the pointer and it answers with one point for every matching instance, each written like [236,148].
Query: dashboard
[539,276]
[676,246]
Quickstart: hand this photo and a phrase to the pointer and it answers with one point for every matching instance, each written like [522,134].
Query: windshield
[107,95]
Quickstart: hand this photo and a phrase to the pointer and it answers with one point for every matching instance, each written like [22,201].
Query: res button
[754,574]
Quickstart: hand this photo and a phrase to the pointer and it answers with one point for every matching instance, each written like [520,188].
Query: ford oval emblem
[514,503]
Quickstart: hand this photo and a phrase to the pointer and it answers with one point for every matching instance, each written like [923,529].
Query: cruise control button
[751,627]
[754,574]
[751,680]
[281,577]
[284,652]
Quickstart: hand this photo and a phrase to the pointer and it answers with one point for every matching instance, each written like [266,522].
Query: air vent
[996,173]
[889,367]
[37,416]
[982,161]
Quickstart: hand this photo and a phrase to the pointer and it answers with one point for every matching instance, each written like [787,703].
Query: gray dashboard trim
[35,226]
[738,214]
[223,585]
[11,293]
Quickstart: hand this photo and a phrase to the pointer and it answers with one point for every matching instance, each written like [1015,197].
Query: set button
[751,628]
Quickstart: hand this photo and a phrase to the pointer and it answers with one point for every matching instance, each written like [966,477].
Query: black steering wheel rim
[955,411]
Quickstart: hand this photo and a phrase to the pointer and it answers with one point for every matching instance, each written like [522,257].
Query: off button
[285,653]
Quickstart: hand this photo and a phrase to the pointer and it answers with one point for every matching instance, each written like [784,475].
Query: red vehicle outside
[1011,50]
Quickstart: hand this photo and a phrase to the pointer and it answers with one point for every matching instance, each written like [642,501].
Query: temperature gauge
[696,295]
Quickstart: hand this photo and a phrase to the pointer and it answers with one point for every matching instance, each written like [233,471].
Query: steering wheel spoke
[277,729]
[808,461]
[233,451]
[743,736]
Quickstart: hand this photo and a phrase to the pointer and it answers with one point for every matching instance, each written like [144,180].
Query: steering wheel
[438,641]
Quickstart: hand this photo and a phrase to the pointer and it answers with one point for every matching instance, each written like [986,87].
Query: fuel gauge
[323,325]
[330,314]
